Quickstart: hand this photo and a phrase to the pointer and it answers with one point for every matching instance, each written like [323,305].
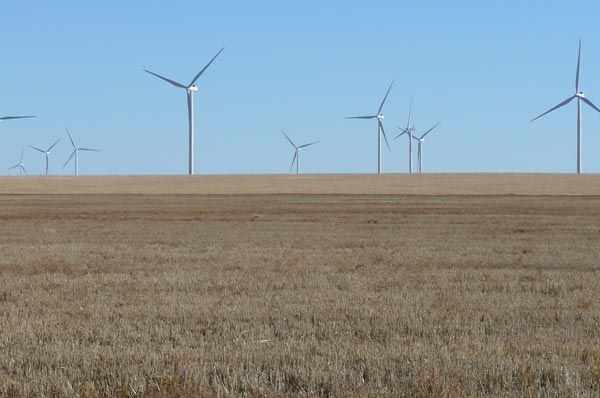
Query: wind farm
[271,239]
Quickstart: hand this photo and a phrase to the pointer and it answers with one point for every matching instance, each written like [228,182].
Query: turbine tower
[420,141]
[297,149]
[76,149]
[380,130]
[190,90]
[21,166]
[408,131]
[580,98]
[46,152]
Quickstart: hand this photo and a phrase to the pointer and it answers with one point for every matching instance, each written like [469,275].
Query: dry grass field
[391,286]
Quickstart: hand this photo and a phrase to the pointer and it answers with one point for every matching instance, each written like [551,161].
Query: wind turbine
[190,90]
[420,141]
[380,130]
[297,149]
[408,131]
[76,149]
[46,152]
[21,166]
[580,97]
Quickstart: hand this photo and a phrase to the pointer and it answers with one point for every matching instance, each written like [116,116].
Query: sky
[483,69]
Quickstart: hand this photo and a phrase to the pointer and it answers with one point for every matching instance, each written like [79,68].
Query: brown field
[330,184]
[415,286]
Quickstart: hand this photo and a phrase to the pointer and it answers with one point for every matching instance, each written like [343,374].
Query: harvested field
[329,184]
[388,294]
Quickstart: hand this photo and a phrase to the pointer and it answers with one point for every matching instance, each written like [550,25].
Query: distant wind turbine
[21,166]
[76,149]
[420,141]
[380,131]
[297,149]
[190,90]
[46,152]
[580,97]
[408,131]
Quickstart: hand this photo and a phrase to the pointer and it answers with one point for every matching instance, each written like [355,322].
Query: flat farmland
[416,286]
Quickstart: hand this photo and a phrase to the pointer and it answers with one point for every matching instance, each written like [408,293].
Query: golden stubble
[302,295]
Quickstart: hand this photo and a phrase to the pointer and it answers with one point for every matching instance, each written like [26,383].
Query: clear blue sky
[482,68]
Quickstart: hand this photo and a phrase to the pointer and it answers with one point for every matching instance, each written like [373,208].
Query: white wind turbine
[297,149]
[420,141]
[580,97]
[408,131]
[76,149]
[46,152]
[21,166]
[190,90]
[380,131]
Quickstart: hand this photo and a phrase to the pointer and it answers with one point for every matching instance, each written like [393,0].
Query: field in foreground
[278,295]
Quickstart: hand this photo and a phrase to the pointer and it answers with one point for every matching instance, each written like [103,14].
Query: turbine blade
[88,149]
[429,131]
[173,82]
[206,67]
[384,137]
[69,159]
[305,145]
[14,167]
[385,98]
[15,117]
[403,131]
[409,112]
[361,117]
[70,138]
[565,102]
[587,101]
[293,160]
[23,168]
[22,152]
[37,149]
[578,62]
[49,149]
[288,138]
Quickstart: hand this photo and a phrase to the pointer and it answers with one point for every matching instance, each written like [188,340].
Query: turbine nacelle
[380,116]
[193,88]
[580,95]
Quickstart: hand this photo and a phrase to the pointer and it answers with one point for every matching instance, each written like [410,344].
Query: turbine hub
[193,88]
[580,94]
[380,116]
